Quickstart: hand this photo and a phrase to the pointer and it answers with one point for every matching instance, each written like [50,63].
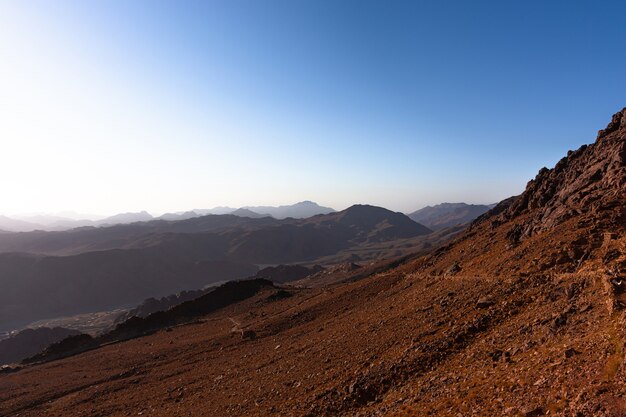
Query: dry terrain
[521,315]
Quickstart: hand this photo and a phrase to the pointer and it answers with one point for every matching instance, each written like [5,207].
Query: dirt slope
[393,344]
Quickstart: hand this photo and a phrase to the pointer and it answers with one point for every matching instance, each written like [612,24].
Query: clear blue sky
[109,106]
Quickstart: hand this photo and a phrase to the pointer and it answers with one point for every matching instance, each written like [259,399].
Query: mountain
[29,342]
[299,210]
[299,240]
[215,210]
[448,214]
[354,225]
[123,236]
[13,225]
[522,314]
[123,218]
[66,224]
[107,267]
[371,223]
[242,212]
[178,216]
[58,222]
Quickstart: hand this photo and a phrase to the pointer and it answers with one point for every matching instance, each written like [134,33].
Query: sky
[117,106]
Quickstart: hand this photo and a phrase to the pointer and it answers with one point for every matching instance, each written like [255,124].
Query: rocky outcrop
[560,223]
[591,179]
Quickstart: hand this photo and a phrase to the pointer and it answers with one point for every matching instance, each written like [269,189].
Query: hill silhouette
[8,224]
[448,214]
[103,268]
[299,210]
[242,212]
[29,342]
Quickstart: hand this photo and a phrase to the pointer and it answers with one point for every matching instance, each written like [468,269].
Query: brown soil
[395,343]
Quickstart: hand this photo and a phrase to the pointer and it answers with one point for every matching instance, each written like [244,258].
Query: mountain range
[521,314]
[299,210]
[448,214]
[51,274]
[434,217]
[58,223]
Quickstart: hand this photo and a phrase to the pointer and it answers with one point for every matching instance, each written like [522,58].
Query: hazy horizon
[93,216]
[113,107]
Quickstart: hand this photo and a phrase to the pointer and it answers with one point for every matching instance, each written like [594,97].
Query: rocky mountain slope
[521,315]
[566,219]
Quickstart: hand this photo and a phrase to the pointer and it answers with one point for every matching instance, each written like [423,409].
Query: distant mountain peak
[14,225]
[376,223]
[130,217]
[179,215]
[244,212]
[445,215]
[365,209]
[300,210]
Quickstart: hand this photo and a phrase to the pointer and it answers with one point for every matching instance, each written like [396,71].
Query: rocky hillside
[569,217]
